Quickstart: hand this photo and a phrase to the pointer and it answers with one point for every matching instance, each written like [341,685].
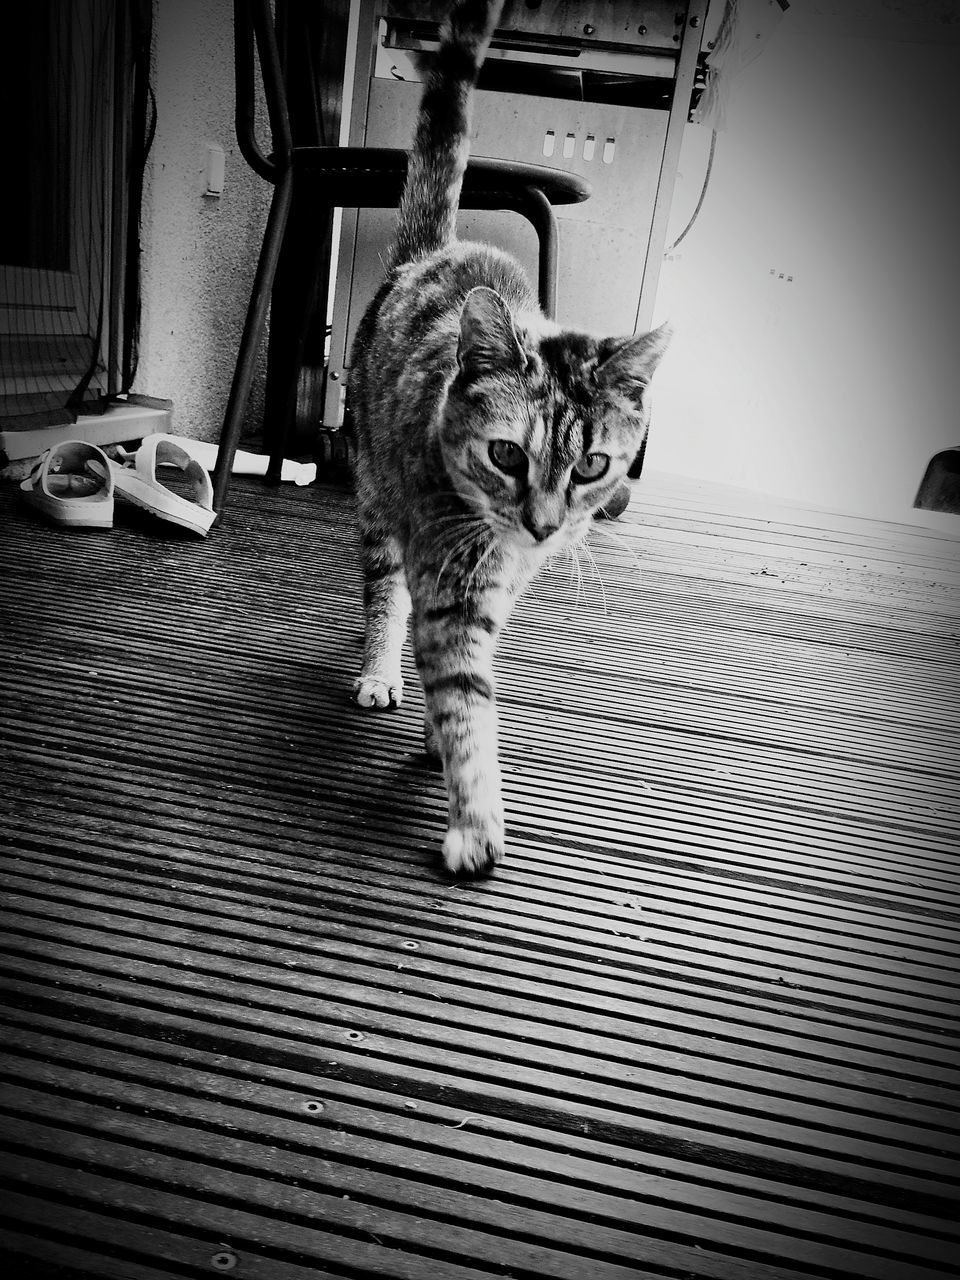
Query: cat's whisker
[574,572]
[440,573]
[497,525]
[443,520]
[571,550]
[479,565]
[619,542]
[453,538]
[581,590]
[462,520]
[461,546]
[462,541]
[593,561]
[476,568]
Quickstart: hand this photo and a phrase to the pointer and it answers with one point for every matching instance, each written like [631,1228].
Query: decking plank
[570,1030]
[702,1024]
[439,968]
[490,1139]
[433,1184]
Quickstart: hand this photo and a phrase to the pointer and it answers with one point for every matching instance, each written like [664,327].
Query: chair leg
[539,211]
[300,282]
[252,335]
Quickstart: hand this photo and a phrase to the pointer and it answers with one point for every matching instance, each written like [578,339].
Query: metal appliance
[602,89]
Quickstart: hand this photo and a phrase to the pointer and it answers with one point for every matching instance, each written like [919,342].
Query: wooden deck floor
[702,1024]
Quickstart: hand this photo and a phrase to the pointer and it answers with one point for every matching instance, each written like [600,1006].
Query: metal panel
[602,242]
[587,23]
[610,247]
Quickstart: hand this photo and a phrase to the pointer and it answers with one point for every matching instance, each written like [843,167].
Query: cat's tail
[441,145]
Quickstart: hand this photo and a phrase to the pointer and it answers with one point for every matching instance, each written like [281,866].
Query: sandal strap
[152,451]
[83,451]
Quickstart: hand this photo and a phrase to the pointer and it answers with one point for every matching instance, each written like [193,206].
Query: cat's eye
[509,457]
[591,467]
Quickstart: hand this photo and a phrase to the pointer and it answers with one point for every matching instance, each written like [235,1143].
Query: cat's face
[538,434]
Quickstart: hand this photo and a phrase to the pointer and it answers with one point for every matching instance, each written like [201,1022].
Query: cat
[487,438]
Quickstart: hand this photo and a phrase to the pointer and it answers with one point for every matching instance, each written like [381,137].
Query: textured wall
[198,252]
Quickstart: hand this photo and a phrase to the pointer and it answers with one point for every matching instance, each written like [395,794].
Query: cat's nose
[541,529]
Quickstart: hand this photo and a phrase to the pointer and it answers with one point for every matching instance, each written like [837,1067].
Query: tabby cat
[487,438]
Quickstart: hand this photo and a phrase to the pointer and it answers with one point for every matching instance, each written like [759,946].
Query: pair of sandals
[74,484]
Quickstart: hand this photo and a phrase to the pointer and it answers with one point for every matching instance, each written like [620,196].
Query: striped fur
[454,370]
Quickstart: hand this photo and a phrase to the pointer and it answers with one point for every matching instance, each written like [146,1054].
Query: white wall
[838,166]
[199,253]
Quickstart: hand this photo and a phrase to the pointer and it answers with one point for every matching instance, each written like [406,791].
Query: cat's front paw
[375,692]
[471,852]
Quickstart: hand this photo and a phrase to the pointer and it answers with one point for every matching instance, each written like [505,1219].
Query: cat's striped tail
[441,145]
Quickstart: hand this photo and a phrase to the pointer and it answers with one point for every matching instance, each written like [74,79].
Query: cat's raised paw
[468,852]
[373,692]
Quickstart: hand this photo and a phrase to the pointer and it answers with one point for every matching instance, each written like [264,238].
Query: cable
[144,127]
[703,194]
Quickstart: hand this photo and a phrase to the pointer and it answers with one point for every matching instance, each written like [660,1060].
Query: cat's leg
[431,741]
[454,648]
[386,606]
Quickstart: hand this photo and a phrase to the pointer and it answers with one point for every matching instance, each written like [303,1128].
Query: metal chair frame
[352,177]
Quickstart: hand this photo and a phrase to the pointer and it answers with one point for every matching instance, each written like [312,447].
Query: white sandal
[136,479]
[72,484]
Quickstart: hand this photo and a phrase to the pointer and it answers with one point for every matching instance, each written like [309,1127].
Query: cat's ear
[488,340]
[628,364]
[636,466]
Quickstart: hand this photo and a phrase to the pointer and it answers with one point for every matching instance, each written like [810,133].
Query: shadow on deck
[702,1023]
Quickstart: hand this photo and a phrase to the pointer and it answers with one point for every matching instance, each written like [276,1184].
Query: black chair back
[297,47]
